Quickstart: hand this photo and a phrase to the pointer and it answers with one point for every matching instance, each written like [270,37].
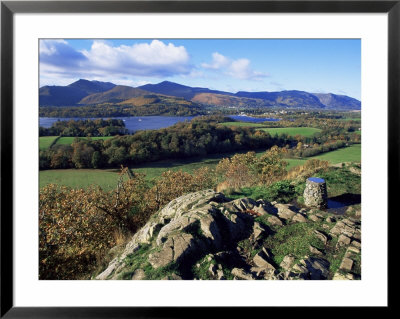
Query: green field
[348,154]
[107,178]
[293,162]
[292,131]
[45,142]
[80,178]
[356,119]
[67,140]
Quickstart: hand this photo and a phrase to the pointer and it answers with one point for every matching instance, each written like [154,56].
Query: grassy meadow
[80,178]
[347,154]
[292,131]
[107,178]
[45,141]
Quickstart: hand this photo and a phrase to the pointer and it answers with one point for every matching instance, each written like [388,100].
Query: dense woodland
[85,128]
[114,110]
[200,137]
[182,140]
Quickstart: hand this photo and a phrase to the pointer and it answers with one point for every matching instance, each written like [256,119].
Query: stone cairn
[315,194]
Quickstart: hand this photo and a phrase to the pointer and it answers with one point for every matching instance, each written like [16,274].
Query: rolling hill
[117,94]
[71,94]
[91,87]
[84,92]
[178,90]
[285,98]
[334,101]
[226,100]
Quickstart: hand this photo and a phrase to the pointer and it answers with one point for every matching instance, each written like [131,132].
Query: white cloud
[103,60]
[219,61]
[239,69]
[151,59]
[49,47]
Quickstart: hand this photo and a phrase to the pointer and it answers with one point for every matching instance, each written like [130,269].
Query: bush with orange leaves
[244,170]
[270,166]
[307,169]
[76,226]
[237,171]
[173,184]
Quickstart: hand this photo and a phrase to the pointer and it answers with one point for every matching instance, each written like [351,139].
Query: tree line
[84,128]
[183,140]
[113,110]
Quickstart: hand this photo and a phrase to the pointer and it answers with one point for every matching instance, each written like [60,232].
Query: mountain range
[84,92]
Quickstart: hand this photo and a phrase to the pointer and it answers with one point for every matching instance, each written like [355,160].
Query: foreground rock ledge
[203,230]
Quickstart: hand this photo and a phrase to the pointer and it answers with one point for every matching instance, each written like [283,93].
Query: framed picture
[264,92]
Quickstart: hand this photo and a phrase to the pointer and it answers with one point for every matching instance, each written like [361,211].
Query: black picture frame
[9,8]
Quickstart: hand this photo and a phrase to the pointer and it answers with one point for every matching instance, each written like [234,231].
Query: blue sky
[313,65]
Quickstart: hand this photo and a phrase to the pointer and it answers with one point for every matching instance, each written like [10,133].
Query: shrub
[282,191]
[76,226]
[308,169]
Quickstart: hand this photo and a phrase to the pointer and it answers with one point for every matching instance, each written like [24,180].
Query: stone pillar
[315,194]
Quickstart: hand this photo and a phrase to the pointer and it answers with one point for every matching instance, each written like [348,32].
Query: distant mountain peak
[85,91]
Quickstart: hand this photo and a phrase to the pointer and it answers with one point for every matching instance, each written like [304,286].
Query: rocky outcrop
[205,235]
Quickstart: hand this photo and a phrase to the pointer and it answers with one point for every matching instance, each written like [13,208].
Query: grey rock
[241,274]
[273,220]
[318,268]
[298,218]
[220,274]
[212,269]
[353,249]
[339,276]
[346,265]
[260,210]
[314,218]
[357,235]
[356,244]
[271,274]
[315,251]
[257,231]
[321,236]
[261,261]
[298,268]
[139,274]
[330,219]
[284,211]
[343,240]
[172,276]
[287,262]
[175,249]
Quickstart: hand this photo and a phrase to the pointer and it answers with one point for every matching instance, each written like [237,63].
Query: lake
[137,123]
